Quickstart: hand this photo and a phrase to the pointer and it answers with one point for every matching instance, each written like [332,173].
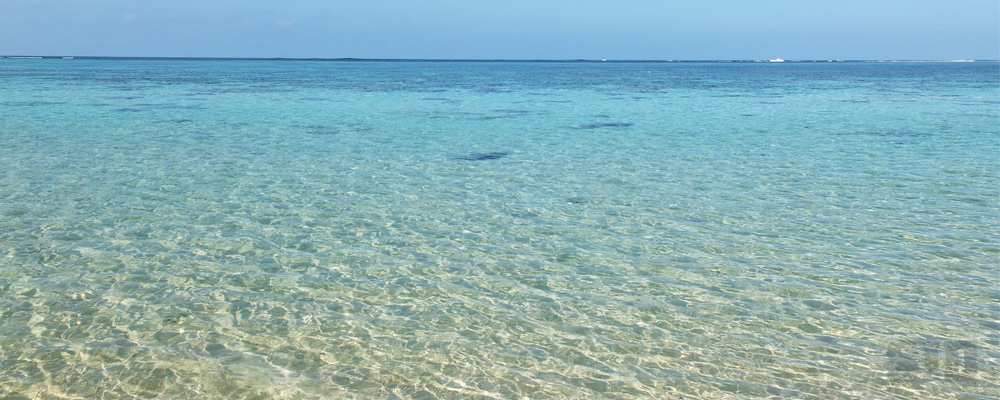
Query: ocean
[316,229]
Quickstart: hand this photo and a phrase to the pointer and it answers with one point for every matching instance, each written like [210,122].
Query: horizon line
[51,57]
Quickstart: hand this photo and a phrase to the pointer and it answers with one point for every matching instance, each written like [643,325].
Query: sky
[506,29]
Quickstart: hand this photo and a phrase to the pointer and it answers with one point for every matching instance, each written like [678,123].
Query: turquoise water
[475,230]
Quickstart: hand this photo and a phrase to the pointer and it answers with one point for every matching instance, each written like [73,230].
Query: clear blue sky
[508,29]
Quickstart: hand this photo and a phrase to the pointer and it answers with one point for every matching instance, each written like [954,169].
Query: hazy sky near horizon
[511,29]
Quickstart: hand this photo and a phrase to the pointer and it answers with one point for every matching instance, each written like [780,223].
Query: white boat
[776,60]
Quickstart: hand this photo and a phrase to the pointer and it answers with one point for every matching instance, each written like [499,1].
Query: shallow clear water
[292,229]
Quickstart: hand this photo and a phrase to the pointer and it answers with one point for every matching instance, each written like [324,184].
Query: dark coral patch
[599,125]
[489,155]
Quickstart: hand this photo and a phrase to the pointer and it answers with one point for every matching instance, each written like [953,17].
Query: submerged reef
[489,155]
[598,125]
